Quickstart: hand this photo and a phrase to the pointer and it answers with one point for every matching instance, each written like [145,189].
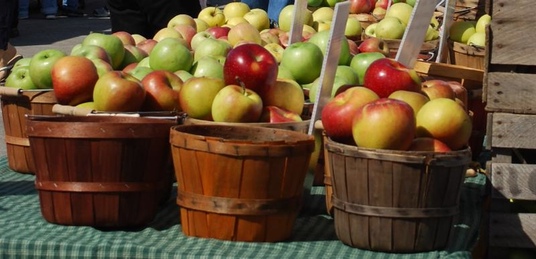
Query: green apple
[314,88]
[139,72]
[200,37]
[314,3]
[235,9]
[212,15]
[169,54]
[144,62]
[371,30]
[23,62]
[235,103]
[477,39]
[482,22]
[91,52]
[353,29]
[284,73]
[401,10]
[321,39]
[258,18]
[390,28]
[303,60]
[166,32]
[330,3]
[411,2]
[207,66]
[200,25]
[111,44]
[348,73]
[460,31]
[323,14]
[431,33]
[212,48]
[361,61]
[197,94]
[183,74]
[41,66]
[286,15]
[133,54]
[20,78]
[102,66]
[322,25]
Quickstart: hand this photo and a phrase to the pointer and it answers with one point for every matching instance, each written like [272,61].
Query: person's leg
[126,15]
[275,7]
[49,7]
[262,4]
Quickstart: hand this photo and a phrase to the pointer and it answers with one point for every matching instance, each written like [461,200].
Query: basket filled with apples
[397,156]
[27,91]
[467,42]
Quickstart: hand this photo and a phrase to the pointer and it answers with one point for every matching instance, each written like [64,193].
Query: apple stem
[242,85]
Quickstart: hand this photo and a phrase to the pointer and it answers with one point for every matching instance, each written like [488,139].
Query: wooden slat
[513,131]
[513,33]
[513,230]
[511,92]
[449,71]
[514,181]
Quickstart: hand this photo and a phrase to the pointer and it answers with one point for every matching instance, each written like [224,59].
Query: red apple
[385,75]
[361,6]
[252,65]
[125,37]
[116,91]
[446,120]
[129,68]
[354,48]
[235,103]
[162,91]
[338,113]
[219,31]
[460,92]
[186,31]
[374,45]
[73,80]
[428,144]
[133,54]
[437,88]
[274,114]
[384,124]
[147,45]
[197,94]
[383,4]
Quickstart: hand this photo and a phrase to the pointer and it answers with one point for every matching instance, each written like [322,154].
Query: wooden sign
[296,29]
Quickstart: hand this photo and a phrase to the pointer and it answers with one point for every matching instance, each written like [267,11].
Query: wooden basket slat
[507,130]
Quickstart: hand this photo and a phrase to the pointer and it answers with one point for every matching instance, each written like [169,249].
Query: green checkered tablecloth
[25,234]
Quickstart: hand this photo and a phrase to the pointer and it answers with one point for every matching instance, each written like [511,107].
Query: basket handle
[70,110]
[10,91]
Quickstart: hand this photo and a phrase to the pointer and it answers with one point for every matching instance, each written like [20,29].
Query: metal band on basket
[99,187]
[237,206]
[393,212]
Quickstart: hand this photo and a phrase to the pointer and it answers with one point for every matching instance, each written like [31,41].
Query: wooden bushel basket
[395,201]
[100,171]
[17,103]
[239,183]
[466,55]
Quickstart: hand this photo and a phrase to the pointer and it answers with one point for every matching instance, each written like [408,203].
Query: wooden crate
[509,88]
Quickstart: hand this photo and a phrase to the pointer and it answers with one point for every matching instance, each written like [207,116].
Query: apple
[133,54]
[139,72]
[219,32]
[111,44]
[212,15]
[116,91]
[303,60]
[370,30]
[244,32]
[251,65]
[338,83]
[428,144]
[187,32]
[144,62]
[41,65]
[361,6]
[258,18]
[321,40]
[446,120]
[182,19]
[366,19]
[268,37]
[200,37]
[276,50]
[348,73]
[338,113]
[353,29]
[415,99]
[125,37]
[390,28]
[235,9]
[402,11]
[207,66]
[322,25]
[234,21]
[283,72]
[183,74]
[197,94]
[23,62]
[385,75]
[286,14]
[212,48]
[165,33]
[354,48]
[361,61]
[383,4]
[171,55]
[91,52]
[330,3]
[162,91]
[147,45]
[200,25]
[379,12]
[286,94]
[384,124]
[274,114]
[374,44]
[20,78]
[437,88]
[138,38]
[314,3]
[323,13]
[482,22]
[477,39]
[102,66]
[73,80]
[460,92]
[234,103]
[460,31]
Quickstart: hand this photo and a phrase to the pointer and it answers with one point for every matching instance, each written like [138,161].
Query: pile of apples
[396,110]
[470,32]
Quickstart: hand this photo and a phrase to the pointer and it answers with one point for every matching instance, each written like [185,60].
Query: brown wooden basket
[466,55]
[395,201]
[239,183]
[17,103]
[100,171]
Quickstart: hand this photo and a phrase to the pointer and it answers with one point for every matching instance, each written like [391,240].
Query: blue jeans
[272,7]
[71,5]
[49,7]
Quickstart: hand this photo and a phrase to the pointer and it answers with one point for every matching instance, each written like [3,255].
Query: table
[25,234]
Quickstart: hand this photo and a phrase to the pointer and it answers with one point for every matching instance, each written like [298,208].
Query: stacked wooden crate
[510,93]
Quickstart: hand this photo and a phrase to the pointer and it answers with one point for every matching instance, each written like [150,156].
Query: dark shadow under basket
[395,201]
[100,171]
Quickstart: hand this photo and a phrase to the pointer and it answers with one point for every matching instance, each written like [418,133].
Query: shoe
[50,16]
[72,13]
[101,12]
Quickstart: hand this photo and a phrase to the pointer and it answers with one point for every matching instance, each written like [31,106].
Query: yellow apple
[286,94]
[353,28]
[235,20]
[212,15]
[276,49]
[461,31]
[200,24]
[482,22]
[138,38]
[235,9]
[166,32]
[243,32]
[400,10]
[286,15]
[390,28]
[322,25]
[323,13]
[258,18]
[181,19]
[477,39]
